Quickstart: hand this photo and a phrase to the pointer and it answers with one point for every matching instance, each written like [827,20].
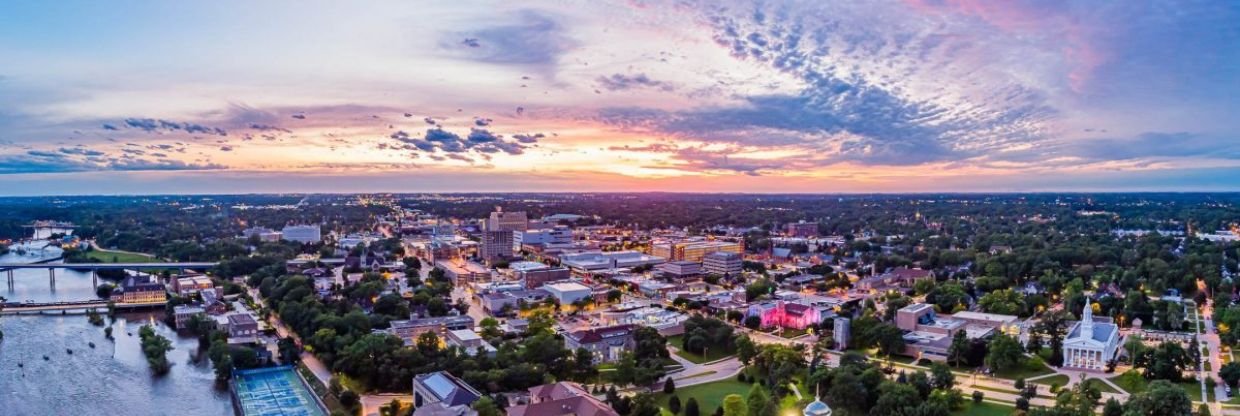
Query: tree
[958,348]
[978,396]
[104,291]
[673,404]
[890,339]
[644,405]
[349,399]
[745,348]
[1203,410]
[1112,408]
[156,348]
[1004,353]
[1160,398]
[1167,361]
[941,376]
[756,401]
[733,405]
[669,386]
[691,408]
[1005,302]
[1230,373]
[1135,347]
[895,399]
[1054,327]
[289,352]
[390,409]
[486,406]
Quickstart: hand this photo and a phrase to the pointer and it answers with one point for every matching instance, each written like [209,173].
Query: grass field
[1059,380]
[120,257]
[678,340]
[1101,386]
[709,396]
[1132,382]
[984,409]
[1032,367]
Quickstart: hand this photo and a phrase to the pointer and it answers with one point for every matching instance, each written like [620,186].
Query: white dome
[817,408]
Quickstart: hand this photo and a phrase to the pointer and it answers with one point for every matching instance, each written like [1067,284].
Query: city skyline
[797,97]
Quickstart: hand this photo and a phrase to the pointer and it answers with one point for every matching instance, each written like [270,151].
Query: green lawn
[709,396]
[711,355]
[1131,381]
[984,409]
[1059,380]
[120,257]
[1032,367]
[1101,386]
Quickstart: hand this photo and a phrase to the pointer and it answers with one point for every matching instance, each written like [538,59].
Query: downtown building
[694,250]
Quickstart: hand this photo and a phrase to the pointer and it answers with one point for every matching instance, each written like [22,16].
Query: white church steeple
[1087,320]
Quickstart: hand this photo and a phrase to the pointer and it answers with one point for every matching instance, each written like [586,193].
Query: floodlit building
[1090,345]
[694,250]
[139,289]
[785,314]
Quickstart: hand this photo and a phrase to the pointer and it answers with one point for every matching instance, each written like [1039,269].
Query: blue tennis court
[276,391]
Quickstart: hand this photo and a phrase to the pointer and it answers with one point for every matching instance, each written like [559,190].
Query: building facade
[140,289]
[694,250]
[606,344]
[723,263]
[801,229]
[1090,345]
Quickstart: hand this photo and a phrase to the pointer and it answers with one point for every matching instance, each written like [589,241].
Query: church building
[1090,345]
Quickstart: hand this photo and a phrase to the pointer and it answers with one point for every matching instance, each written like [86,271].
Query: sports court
[275,391]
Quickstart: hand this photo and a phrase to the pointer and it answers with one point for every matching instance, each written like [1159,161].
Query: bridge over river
[94,268]
[15,308]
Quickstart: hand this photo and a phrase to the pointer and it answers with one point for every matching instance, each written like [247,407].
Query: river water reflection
[111,379]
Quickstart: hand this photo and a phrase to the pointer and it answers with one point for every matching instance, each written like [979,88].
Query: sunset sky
[712,96]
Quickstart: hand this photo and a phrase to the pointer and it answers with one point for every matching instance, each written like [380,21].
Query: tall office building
[507,221]
[495,245]
[840,334]
[723,263]
[497,237]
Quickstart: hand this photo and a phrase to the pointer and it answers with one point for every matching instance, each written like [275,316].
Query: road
[370,402]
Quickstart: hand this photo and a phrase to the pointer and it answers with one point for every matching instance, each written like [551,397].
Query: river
[111,379]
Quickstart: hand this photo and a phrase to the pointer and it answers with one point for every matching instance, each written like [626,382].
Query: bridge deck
[176,265]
